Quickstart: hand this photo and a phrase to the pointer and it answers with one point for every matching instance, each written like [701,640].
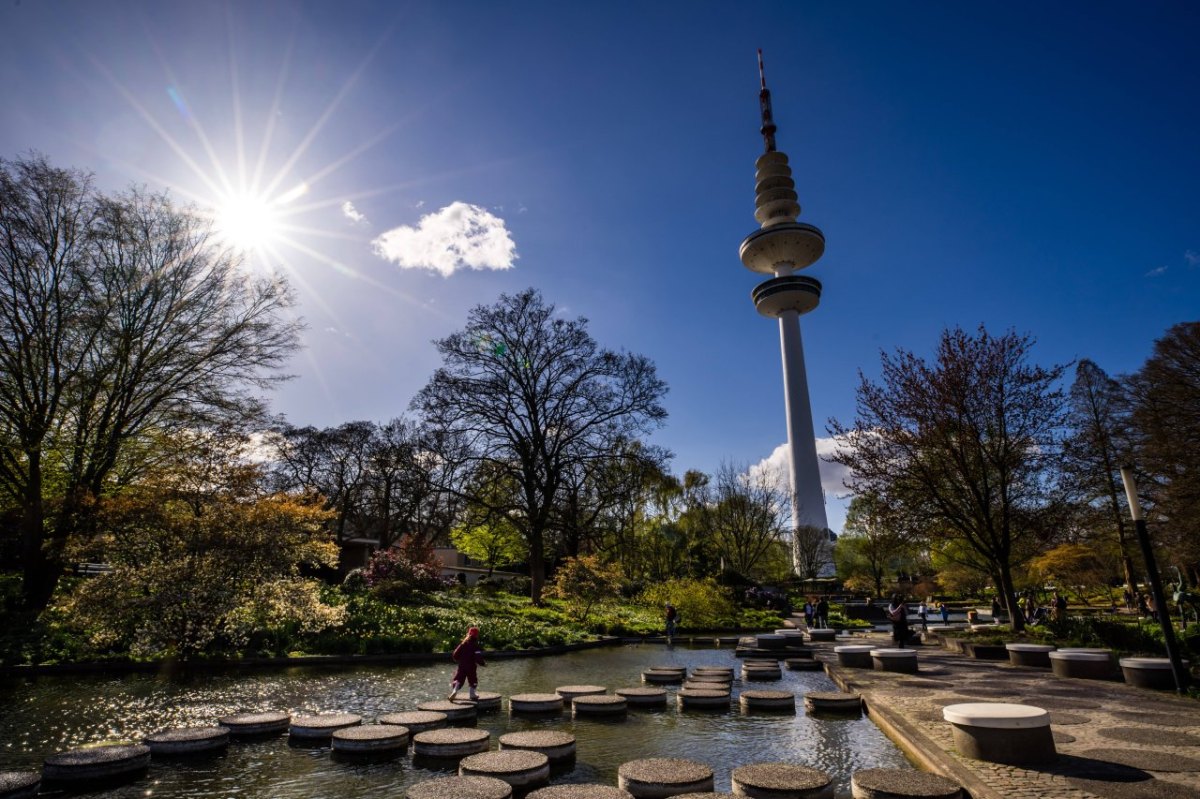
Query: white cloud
[458,236]
[1192,257]
[833,475]
[1156,271]
[352,213]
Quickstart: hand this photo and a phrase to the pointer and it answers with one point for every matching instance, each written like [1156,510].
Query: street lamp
[1156,590]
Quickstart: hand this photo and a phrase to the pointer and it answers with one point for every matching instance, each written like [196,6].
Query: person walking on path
[810,611]
[897,614]
[945,612]
[823,613]
[671,620]
[469,656]
[923,615]
[1060,606]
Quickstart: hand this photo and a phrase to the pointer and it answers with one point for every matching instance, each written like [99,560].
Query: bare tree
[745,516]
[530,393]
[119,320]
[965,446]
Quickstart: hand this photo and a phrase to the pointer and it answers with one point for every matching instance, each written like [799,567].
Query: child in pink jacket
[468,655]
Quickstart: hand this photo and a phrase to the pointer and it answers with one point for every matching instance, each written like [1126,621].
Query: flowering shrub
[702,604]
[405,572]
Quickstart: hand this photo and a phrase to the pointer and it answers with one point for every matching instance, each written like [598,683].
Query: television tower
[781,247]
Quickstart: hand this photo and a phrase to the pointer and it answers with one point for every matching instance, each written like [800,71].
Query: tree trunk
[1015,617]
[40,574]
[537,567]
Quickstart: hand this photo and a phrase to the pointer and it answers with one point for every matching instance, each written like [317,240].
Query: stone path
[1114,741]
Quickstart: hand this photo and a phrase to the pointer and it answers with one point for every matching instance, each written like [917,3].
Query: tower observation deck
[781,247]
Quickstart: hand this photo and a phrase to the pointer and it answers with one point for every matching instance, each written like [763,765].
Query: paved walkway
[1114,741]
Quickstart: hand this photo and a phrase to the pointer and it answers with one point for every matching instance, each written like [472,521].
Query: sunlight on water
[48,715]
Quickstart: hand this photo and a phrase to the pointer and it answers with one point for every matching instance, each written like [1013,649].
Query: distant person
[1143,609]
[897,614]
[469,656]
[671,621]
[945,612]
[823,613]
[996,610]
[923,615]
[1151,608]
[810,611]
[1060,606]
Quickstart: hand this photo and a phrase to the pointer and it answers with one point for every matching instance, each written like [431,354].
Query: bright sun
[247,222]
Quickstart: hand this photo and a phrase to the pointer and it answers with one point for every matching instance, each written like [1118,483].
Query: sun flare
[252,222]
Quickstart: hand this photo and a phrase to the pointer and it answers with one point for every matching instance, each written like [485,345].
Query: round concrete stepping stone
[768,700]
[599,705]
[1036,655]
[770,641]
[762,675]
[19,784]
[535,703]
[520,768]
[105,762]
[1152,673]
[554,744]
[658,777]
[662,677]
[726,671]
[460,788]
[415,721]
[456,711]
[486,701]
[689,698]
[708,686]
[832,702]
[901,660]
[451,742]
[902,783]
[188,741]
[569,692]
[1058,703]
[643,697]
[855,656]
[1145,759]
[322,725]
[246,725]
[705,676]
[582,791]
[822,635]
[1083,664]
[1000,732]
[781,781]
[1147,735]
[801,664]
[371,739]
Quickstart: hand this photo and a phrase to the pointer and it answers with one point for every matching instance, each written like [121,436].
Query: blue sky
[1027,166]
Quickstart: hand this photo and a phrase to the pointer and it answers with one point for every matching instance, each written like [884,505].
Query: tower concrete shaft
[781,247]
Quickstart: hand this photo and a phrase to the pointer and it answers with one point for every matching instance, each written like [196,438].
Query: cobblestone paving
[1121,743]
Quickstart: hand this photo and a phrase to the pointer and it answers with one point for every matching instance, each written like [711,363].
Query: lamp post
[1156,590]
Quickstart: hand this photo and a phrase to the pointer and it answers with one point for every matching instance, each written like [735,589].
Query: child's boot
[453,690]
[472,695]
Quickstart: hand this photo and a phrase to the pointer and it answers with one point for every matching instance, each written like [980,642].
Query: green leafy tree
[495,543]
[702,603]
[873,544]
[585,582]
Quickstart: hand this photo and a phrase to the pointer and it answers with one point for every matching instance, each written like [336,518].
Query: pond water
[51,714]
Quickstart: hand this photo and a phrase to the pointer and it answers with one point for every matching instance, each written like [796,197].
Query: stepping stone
[569,692]
[584,791]
[680,669]
[535,703]
[556,745]
[901,660]
[484,701]
[322,725]
[247,725]
[415,721]
[188,741]
[658,777]
[19,784]
[105,762]
[1150,672]
[688,698]
[902,783]
[781,781]
[599,705]
[770,641]
[1083,664]
[456,711]
[762,674]
[854,656]
[1035,655]
[999,732]
[822,635]
[460,788]
[726,671]
[797,664]
[451,742]
[833,702]
[662,677]
[643,697]
[520,768]
[371,740]
[707,686]
[768,700]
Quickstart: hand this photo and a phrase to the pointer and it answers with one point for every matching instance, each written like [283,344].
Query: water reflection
[47,715]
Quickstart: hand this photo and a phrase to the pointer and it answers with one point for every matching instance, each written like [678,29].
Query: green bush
[702,604]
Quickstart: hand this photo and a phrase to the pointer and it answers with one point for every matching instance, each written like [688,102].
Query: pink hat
[472,632]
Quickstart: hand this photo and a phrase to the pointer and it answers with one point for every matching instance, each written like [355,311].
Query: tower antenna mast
[764,104]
